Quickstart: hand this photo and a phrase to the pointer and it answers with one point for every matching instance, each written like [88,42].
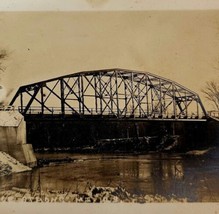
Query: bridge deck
[107,117]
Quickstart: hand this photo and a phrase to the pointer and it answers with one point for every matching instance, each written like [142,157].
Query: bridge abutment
[13,138]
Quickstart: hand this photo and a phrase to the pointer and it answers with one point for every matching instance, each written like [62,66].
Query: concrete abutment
[13,138]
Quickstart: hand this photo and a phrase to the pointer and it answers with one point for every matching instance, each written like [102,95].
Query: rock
[5,169]
[10,165]
[20,190]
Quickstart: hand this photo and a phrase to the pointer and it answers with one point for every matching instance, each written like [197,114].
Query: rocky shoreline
[92,195]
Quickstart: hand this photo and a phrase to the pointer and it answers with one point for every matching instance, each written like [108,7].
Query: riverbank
[91,195]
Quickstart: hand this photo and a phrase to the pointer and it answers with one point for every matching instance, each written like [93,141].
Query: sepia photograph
[109,103]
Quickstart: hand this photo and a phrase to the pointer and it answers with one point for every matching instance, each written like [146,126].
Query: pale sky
[106,5]
[180,45]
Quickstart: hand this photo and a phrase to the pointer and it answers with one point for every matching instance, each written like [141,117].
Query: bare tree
[3,92]
[211,92]
[3,56]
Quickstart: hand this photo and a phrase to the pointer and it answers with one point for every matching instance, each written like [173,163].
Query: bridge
[110,93]
[102,109]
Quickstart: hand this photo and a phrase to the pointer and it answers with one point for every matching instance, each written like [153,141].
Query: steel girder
[113,92]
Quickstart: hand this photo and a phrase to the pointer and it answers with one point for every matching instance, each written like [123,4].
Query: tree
[3,56]
[211,92]
[3,92]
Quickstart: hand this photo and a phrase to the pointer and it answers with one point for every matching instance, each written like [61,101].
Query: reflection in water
[169,176]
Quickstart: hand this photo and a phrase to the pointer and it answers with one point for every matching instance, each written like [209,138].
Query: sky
[179,45]
[106,5]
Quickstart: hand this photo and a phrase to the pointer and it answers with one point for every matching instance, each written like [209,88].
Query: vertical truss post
[95,91]
[139,98]
[82,93]
[111,95]
[160,100]
[152,100]
[132,94]
[42,99]
[62,97]
[186,108]
[100,95]
[125,92]
[79,93]
[147,90]
[174,100]
[117,95]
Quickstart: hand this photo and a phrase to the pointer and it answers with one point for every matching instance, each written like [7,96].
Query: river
[194,177]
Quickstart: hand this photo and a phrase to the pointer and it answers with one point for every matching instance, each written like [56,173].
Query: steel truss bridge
[113,93]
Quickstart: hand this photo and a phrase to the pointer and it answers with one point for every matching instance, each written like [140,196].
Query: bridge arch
[118,93]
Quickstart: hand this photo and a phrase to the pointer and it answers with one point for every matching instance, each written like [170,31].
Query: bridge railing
[129,114]
[7,108]
[213,113]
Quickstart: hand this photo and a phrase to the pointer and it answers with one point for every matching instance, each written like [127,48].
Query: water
[192,177]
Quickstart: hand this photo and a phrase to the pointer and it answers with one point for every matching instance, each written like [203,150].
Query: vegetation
[3,56]
[93,194]
[211,92]
[3,92]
